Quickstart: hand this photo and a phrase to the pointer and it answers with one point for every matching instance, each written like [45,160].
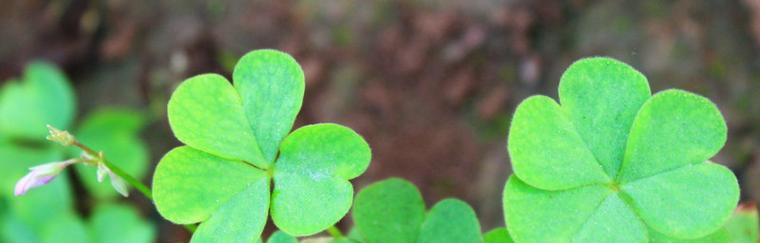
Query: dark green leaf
[389,211]
[450,220]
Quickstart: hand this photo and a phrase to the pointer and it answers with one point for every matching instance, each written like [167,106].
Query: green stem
[335,232]
[131,180]
[142,188]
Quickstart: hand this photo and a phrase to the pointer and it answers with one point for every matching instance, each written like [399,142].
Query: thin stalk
[142,188]
[335,232]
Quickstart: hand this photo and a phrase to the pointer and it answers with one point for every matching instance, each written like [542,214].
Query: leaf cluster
[393,211]
[44,96]
[614,163]
[241,164]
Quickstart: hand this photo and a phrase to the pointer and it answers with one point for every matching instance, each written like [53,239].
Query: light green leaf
[304,206]
[669,203]
[241,219]
[450,220]
[601,96]
[311,188]
[674,128]
[64,228]
[613,221]
[13,230]
[720,236]
[43,97]
[190,185]
[115,223]
[354,233]
[535,215]
[271,84]
[206,113]
[743,226]
[114,132]
[546,151]
[389,211]
[497,235]
[652,149]
[281,237]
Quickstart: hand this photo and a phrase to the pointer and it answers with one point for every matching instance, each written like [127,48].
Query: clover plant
[238,146]
[613,163]
[610,163]
[393,211]
[44,97]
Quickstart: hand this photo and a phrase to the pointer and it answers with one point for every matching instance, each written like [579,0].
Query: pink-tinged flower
[41,175]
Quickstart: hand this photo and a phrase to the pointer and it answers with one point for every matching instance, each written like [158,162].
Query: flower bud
[41,175]
[63,137]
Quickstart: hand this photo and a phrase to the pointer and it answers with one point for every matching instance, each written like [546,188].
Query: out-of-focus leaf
[115,223]
[115,133]
[498,235]
[281,237]
[44,96]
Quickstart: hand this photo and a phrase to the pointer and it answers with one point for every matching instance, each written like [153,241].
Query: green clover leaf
[43,97]
[497,235]
[743,227]
[393,211]
[237,145]
[281,237]
[613,163]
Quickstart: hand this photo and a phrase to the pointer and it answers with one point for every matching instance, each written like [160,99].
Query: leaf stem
[142,188]
[335,232]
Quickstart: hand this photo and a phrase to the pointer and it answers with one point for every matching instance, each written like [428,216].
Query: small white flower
[117,182]
[41,175]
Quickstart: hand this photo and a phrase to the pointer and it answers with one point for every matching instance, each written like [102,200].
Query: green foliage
[109,223]
[498,235]
[281,237]
[743,226]
[115,223]
[47,214]
[393,211]
[238,145]
[42,97]
[613,163]
[389,211]
[115,132]
[270,109]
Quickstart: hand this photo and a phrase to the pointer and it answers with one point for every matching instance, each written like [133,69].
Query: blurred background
[430,84]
